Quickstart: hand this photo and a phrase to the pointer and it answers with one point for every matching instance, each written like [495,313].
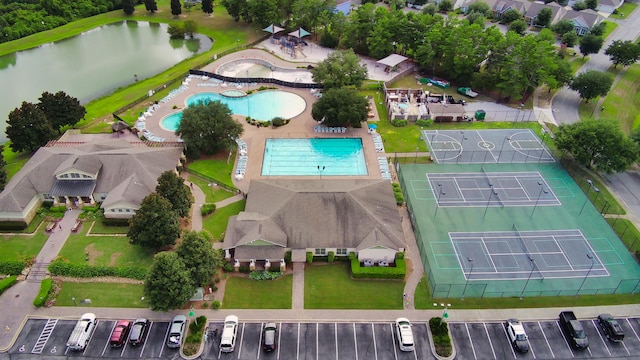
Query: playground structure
[290,45]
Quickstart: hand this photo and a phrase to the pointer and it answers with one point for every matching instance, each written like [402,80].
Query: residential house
[557,11]
[583,20]
[609,6]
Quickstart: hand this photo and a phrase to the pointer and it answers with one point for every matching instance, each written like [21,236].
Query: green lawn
[329,286]
[100,228]
[580,177]
[627,232]
[216,223]
[15,161]
[217,169]
[19,247]
[102,295]
[623,101]
[609,27]
[213,194]
[577,62]
[105,251]
[624,10]
[244,293]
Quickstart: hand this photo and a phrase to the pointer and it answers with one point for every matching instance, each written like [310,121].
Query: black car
[138,331]
[269,337]
[611,327]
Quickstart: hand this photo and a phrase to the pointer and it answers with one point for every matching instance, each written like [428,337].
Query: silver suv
[176,331]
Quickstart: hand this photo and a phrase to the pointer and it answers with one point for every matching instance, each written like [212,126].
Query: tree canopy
[128,6]
[623,53]
[28,128]
[591,84]
[543,19]
[151,5]
[207,126]
[590,44]
[172,187]
[207,7]
[155,225]
[176,7]
[341,107]
[61,109]
[168,285]
[340,68]
[598,143]
[199,257]
[3,171]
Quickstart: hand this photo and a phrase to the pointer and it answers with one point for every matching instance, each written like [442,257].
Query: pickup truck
[82,332]
[573,329]
[467,92]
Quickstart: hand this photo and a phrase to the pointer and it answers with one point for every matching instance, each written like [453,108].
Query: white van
[228,341]
[81,334]
[405,334]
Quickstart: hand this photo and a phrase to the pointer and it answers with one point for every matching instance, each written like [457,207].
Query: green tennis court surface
[495,230]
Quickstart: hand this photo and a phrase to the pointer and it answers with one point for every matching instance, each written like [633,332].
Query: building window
[321,252]
[128,210]
[119,210]
[64,176]
[102,197]
[75,176]
[341,251]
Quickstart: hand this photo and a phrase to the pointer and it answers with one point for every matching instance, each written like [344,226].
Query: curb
[433,347]
[19,331]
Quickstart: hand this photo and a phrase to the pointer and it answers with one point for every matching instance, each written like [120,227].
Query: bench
[51,226]
[76,226]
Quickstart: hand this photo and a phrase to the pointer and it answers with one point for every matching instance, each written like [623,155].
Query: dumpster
[480,114]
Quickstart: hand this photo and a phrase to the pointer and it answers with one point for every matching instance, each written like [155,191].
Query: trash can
[480,114]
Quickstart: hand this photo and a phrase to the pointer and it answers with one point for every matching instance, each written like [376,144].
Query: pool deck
[300,126]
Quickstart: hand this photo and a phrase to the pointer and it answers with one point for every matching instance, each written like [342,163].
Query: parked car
[120,333]
[574,330]
[517,335]
[405,334]
[611,327]
[269,337]
[82,332]
[229,332]
[138,331]
[176,332]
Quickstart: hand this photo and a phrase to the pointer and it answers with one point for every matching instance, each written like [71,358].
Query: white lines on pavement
[298,349]
[489,338]
[107,343]
[632,329]
[90,337]
[566,341]
[279,337]
[146,338]
[471,341]
[375,346]
[241,338]
[166,335]
[355,340]
[317,326]
[335,329]
[260,341]
[504,329]
[600,335]
[393,336]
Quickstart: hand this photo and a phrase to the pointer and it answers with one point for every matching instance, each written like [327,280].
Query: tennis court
[486,146]
[512,229]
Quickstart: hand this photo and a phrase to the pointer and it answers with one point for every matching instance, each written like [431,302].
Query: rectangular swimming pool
[314,157]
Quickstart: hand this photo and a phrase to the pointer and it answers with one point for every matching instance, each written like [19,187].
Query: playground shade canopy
[392,60]
[300,33]
[273,29]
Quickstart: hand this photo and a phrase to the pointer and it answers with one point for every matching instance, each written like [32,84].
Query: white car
[229,332]
[405,334]
[517,335]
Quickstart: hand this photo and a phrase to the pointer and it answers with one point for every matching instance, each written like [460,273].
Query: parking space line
[146,338]
[166,336]
[625,348]
[317,326]
[566,341]
[490,342]
[632,329]
[600,335]
[335,327]
[504,329]
[393,336]
[471,341]
[241,338]
[355,340]
[107,343]
[279,337]
[90,337]
[124,346]
[260,341]
[298,348]
[546,340]
[375,346]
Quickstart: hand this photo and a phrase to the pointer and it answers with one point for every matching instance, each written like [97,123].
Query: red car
[120,333]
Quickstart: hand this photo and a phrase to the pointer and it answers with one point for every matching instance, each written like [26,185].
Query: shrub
[352,255]
[207,209]
[205,305]
[424,122]
[441,339]
[399,122]
[397,192]
[264,275]
[438,326]
[45,288]
[12,267]
[277,121]
[287,257]
[64,268]
[244,269]
[331,257]
[378,272]
[7,283]
[215,305]
[309,257]
[400,255]
[227,267]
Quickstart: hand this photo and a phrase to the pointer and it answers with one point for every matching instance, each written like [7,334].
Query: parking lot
[488,340]
[34,341]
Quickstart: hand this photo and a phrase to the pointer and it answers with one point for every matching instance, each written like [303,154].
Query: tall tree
[340,68]
[128,6]
[309,12]
[168,285]
[590,44]
[190,28]
[154,225]
[518,26]
[264,12]
[562,26]
[543,19]
[207,7]
[176,7]
[598,143]
[28,128]
[208,127]
[569,38]
[3,171]
[341,107]
[623,53]
[199,257]
[510,16]
[235,8]
[359,28]
[61,109]
[479,7]
[591,84]
[151,5]
[172,187]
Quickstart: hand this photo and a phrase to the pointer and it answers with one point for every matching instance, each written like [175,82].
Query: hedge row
[7,283]
[45,288]
[378,272]
[63,268]
[11,267]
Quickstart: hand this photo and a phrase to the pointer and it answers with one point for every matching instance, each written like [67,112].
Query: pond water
[91,64]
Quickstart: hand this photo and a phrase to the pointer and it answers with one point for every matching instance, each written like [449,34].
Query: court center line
[489,253]
[522,187]
[495,160]
[563,253]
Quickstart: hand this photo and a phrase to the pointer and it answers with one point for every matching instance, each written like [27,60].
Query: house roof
[535,7]
[117,161]
[299,214]
[585,18]
[392,60]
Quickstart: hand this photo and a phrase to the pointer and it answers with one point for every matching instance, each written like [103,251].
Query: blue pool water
[302,157]
[262,105]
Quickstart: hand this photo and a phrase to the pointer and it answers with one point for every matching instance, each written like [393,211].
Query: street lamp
[493,192]
[461,145]
[470,260]
[502,147]
[596,198]
[588,272]
[320,170]
[542,190]
[440,193]
[533,266]
[586,195]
